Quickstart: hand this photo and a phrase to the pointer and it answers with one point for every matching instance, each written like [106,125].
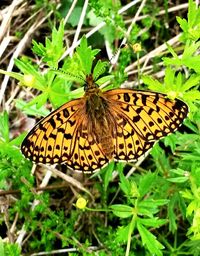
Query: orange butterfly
[119,124]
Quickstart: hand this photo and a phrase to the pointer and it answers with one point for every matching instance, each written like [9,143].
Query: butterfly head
[90,85]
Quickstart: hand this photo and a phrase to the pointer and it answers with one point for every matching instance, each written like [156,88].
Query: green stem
[99,210]
[131,228]
[138,66]
[194,188]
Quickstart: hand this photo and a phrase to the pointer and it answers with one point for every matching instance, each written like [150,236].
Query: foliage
[156,210]
[7,249]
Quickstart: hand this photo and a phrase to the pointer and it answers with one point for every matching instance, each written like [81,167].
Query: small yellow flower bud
[81,203]
[136,47]
[28,80]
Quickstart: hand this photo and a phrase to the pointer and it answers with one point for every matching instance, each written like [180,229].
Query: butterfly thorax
[96,105]
[97,111]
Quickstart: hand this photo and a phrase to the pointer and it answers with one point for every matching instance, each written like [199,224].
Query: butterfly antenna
[105,65]
[116,53]
[77,77]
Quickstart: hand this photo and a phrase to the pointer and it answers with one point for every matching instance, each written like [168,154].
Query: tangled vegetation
[151,207]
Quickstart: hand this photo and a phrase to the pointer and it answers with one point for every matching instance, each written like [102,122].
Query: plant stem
[131,228]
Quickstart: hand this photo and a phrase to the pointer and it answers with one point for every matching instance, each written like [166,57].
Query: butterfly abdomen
[107,145]
[97,110]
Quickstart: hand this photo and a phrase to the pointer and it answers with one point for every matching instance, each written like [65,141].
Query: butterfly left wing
[52,139]
[62,137]
[142,118]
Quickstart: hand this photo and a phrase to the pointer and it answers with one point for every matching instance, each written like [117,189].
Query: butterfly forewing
[143,118]
[52,139]
[151,115]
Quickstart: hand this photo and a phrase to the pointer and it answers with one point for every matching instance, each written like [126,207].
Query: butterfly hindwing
[88,155]
[129,145]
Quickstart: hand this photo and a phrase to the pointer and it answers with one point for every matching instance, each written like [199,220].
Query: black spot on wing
[126,97]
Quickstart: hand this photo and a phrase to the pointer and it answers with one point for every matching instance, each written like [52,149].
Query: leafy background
[149,208]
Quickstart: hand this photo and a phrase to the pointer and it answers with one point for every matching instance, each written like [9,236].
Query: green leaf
[146,182]
[195,175]
[122,234]
[178,179]
[193,63]
[192,95]
[171,141]
[150,240]
[8,151]
[85,56]
[108,175]
[183,23]
[190,49]
[187,194]
[1,247]
[192,207]
[153,222]
[31,110]
[191,27]
[95,52]
[150,206]
[104,79]
[192,10]
[53,49]
[38,48]
[153,84]
[171,213]
[99,69]
[75,16]
[191,81]
[77,93]
[169,77]
[15,75]
[121,210]
[39,101]
[178,171]
[170,61]
[93,19]
[124,184]
[171,50]
[109,33]
[65,75]
[179,81]
[4,126]
[18,140]
[12,249]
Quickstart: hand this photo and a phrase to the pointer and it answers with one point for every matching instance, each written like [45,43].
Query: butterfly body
[87,133]
[99,119]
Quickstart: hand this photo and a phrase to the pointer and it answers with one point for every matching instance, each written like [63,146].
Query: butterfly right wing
[129,144]
[142,117]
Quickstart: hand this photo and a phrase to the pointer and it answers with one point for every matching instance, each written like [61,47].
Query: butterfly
[89,132]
